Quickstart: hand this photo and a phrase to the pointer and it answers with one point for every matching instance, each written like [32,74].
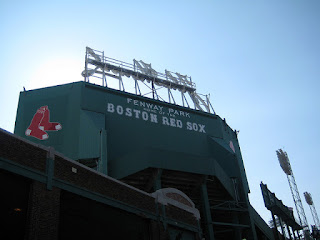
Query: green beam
[231,224]
[103,161]
[24,171]
[230,209]
[151,184]
[206,210]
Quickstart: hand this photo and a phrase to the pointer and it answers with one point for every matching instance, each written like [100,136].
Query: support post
[289,232]
[294,236]
[237,230]
[252,233]
[86,67]
[282,228]
[103,161]
[275,226]
[157,180]
[157,186]
[206,211]
[298,234]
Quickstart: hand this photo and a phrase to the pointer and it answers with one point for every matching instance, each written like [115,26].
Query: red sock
[33,129]
[45,123]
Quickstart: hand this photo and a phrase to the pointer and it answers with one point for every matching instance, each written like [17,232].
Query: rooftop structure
[97,65]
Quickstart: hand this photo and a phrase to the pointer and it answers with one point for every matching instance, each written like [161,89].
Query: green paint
[207,212]
[125,133]
[159,134]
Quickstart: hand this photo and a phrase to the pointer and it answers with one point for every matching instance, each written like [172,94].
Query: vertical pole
[103,163]
[208,102]
[182,99]
[294,236]
[135,86]
[237,230]
[103,70]
[152,85]
[206,210]
[275,226]
[157,182]
[86,67]
[282,229]
[253,233]
[289,232]
[157,186]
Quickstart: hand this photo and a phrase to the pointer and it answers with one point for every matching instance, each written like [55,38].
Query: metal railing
[99,66]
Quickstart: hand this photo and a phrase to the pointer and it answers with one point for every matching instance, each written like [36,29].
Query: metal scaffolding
[101,67]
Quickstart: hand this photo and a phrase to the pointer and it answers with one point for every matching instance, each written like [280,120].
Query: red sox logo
[40,123]
[232,147]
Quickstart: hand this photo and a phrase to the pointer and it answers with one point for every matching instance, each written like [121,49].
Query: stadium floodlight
[286,167]
[309,200]
[284,161]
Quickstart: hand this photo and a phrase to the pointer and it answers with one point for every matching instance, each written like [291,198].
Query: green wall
[129,133]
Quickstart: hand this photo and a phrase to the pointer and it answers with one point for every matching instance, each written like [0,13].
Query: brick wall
[43,213]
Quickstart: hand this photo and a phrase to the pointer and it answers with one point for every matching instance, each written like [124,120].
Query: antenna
[99,66]
[286,167]
[308,198]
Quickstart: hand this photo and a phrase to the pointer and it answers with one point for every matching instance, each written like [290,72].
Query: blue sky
[259,60]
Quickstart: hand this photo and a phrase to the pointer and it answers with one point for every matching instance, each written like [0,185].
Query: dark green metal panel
[224,155]
[64,104]
[158,134]
[138,132]
[91,123]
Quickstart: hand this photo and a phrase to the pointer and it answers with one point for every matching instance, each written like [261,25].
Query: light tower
[312,209]
[286,167]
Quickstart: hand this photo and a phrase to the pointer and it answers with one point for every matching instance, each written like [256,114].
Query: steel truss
[101,67]
[286,167]
[309,200]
